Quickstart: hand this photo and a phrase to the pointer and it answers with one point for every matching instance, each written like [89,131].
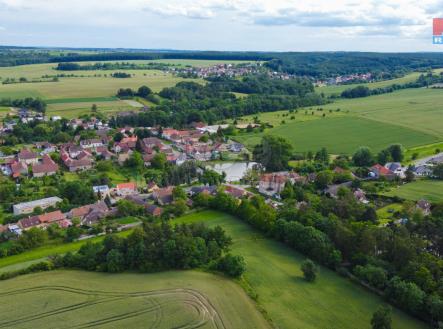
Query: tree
[323,179]
[94,108]
[135,161]
[273,153]
[179,193]
[114,261]
[309,270]
[322,156]
[438,171]
[396,151]
[144,91]
[72,233]
[363,157]
[159,161]
[381,319]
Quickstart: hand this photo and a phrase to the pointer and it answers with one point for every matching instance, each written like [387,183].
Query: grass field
[420,109]
[424,151]
[48,250]
[386,213]
[342,135]
[431,190]
[273,271]
[74,299]
[410,117]
[330,90]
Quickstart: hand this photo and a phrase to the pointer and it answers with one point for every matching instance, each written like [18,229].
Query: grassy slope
[431,190]
[274,273]
[49,250]
[228,299]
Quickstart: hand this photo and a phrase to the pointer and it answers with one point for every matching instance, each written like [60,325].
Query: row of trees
[35,104]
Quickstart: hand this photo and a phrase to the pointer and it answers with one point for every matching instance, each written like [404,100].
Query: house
[423,171]
[237,192]
[91,143]
[79,165]
[46,168]
[44,220]
[45,147]
[18,169]
[438,159]
[123,156]
[154,210]
[28,207]
[90,214]
[273,183]
[102,190]
[396,168]
[27,223]
[163,195]
[210,190]
[27,157]
[124,189]
[51,217]
[424,206]
[377,171]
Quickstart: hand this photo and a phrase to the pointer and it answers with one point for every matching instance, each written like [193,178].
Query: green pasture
[342,134]
[431,190]
[424,151]
[273,272]
[419,109]
[176,299]
[386,213]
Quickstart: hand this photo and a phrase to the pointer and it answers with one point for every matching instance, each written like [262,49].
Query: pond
[234,170]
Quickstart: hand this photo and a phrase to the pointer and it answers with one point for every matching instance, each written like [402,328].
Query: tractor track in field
[193,299]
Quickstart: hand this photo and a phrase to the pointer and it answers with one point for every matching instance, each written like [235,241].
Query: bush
[309,270]
[233,266]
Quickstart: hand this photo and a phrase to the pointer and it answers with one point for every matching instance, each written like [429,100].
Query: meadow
[431,190]
[185,299]
[341,134]
[273,272]
[410,117]
[338,89]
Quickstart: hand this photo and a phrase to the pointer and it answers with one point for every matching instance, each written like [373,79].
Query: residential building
[46,168]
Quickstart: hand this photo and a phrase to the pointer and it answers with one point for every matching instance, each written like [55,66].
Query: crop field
[419,109]
[273,272]
[74,299]
[431,190]
[410,117]
[342,135]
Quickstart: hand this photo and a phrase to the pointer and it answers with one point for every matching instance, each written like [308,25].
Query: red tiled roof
[51,217]
[130,186]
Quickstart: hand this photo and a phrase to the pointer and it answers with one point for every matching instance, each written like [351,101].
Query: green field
[431,190]
[410,117]
[338,89]
[342,135]
[273,271]
[48,250]
[74,299]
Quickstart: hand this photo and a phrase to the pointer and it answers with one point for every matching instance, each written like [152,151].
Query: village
[200,144]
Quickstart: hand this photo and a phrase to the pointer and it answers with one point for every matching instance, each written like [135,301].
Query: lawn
[387,213]
[424,151]
[76,109]
[342,134]
[431,190]
[273,271]
[176,299]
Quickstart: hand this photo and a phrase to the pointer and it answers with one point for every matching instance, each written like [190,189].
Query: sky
[262,25]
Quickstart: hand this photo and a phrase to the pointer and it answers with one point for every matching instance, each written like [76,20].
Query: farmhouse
[163,195]
[424,206]
[377,171]
[28,207]
[18,169]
